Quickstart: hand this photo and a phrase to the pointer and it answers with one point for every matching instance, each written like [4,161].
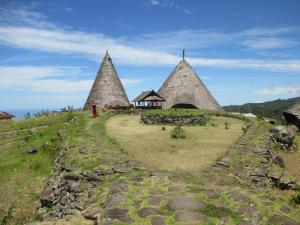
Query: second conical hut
[184,89]
[107,90]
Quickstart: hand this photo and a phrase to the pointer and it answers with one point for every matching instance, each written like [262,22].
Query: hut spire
[106,54]
[107,89]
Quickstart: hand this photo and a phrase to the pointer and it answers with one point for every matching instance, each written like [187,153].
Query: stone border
[159,119]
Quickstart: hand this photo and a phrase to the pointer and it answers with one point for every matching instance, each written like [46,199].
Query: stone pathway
[234,190]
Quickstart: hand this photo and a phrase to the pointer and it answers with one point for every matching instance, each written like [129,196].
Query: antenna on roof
[183,53]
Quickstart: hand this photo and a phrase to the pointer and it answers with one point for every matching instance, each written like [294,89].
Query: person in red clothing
[94,109]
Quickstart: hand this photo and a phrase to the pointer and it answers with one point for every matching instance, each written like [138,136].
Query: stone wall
[160,119]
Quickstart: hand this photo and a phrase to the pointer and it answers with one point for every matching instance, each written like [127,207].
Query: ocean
[20,113]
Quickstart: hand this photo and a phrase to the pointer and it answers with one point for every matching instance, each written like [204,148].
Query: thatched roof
[292,115]
[5,116]
[107,89]
[148,96]
[184,86]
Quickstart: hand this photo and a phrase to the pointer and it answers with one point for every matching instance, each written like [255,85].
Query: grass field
[157,150]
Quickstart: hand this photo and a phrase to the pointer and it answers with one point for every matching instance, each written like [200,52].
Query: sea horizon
[20,113]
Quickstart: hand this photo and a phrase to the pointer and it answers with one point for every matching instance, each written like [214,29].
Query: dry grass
[292,159]
[157,150]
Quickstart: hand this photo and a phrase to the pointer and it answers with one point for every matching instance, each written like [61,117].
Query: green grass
[219,212]
[201,147]
[14,125]
[205,113]
[178,112]
[23,175]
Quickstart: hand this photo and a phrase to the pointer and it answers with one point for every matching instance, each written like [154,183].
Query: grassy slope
[147,142]
[23,175]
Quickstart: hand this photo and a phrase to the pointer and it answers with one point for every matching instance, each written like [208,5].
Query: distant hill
[272,109]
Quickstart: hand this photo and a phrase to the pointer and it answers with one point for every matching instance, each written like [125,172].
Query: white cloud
[168,4]
[292,90]
[32,31]
[131,82]
[42,79]
[259,31]
[49,79]
[155,2]
[269,43]
[93,46]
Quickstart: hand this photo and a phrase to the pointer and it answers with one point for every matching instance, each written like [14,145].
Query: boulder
[47,197]
[278,160]
[286,181]
[33,150]
[284,135]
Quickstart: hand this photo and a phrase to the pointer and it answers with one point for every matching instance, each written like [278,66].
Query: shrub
[7,214]
[67,109]
[178,132]
[295,200]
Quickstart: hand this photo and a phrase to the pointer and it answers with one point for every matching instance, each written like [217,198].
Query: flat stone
[137,204]
[73,176]
[162,174]
[92,214]
[184,203]
[225,180]
[121,169]
[116,199]
[118,186]
[190,217]
[248,211]
[282,220]
[119,214]
[267,198]
[176,188]
[285,209]
[224,220]
[245,222]
[154,200]
[212,194]
[158,220]
[240,197]
[155,191]
[144,212]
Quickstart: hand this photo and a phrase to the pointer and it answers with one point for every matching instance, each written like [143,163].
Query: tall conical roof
[184,88]
[107,88]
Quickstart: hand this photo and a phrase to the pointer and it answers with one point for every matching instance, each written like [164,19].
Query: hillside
[272,109]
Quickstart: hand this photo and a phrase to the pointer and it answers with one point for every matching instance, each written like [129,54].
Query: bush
[7,214]
[67,109]
[178,132]
[295,200]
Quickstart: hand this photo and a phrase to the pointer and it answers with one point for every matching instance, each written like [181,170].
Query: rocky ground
[237,189]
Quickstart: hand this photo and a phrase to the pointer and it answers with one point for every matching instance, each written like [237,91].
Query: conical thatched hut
[107,90]
[184,89]
[292,115]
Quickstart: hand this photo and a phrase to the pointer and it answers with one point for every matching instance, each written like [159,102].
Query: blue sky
[50,51]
